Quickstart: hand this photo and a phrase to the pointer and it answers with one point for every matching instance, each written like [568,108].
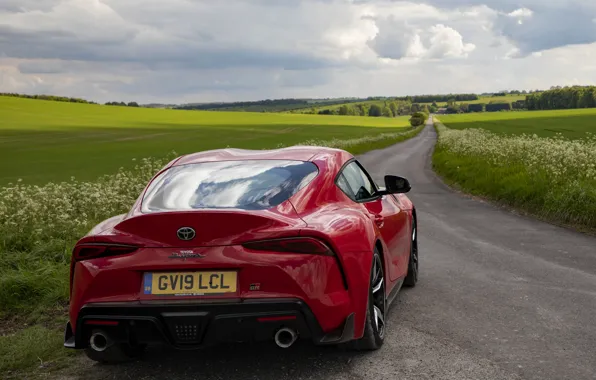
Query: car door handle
[379,220]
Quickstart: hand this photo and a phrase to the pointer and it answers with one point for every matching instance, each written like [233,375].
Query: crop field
[570,123]
[42,141]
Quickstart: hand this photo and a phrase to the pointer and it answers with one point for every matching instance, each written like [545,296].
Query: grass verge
[553,179]
[34,347]
[38,227]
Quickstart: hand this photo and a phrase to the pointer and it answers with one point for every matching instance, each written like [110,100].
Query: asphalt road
[500,296]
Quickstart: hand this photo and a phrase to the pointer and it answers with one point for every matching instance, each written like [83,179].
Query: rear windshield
[248,185]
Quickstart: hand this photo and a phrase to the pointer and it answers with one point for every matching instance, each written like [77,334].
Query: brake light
[91,251]
[291,245]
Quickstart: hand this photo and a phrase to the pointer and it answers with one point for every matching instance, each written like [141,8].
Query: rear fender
[352,237]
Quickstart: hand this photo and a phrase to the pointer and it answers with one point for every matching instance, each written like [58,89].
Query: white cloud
[521,13]
[438,42]
[416,48]
[448,42]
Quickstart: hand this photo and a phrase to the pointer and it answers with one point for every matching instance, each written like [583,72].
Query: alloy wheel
[378,293]
[414,260]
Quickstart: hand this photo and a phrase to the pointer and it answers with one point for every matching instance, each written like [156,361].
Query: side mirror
[396,185]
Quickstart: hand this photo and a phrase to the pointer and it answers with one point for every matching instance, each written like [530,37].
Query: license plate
[189,283]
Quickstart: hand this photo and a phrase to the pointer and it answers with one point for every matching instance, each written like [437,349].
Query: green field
[488,99]
[571,123]
[483,99]
[43,141]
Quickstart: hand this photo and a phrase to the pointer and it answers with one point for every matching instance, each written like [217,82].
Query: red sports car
[240,245]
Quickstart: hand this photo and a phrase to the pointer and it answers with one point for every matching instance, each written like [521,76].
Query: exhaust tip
[285,337]
[99,341]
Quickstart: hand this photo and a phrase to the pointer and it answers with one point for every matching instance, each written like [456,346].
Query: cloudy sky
[195,50]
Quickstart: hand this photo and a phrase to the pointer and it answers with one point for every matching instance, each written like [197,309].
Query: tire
[374,327]
[115,353]
[413,263]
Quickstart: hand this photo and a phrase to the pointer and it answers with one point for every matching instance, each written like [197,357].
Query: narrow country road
[500,297]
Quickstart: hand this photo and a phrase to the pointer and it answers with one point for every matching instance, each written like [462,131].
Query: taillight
[291,245]
[91,251]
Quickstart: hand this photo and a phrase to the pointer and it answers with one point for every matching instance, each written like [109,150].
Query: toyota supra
[239,245]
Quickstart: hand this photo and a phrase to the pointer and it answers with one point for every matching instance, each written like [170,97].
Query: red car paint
[333,286]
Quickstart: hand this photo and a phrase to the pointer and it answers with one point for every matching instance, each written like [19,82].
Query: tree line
[122,104]
[563,98]
[267,105]
[494,106]
[385,109]
[440,98]
[263,103]
[47,97]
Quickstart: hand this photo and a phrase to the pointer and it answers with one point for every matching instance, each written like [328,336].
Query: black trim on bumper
[69,338]
[191,325]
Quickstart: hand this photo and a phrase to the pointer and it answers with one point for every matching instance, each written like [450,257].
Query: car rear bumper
[192,325]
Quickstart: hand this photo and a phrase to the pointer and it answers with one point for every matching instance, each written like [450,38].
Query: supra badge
[183,255]
[186,233]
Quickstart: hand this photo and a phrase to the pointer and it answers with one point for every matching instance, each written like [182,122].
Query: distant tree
[346,109]
[363,109]
[451,102]
[418,119]
[394,108]
[519,105]
[433,109]
[375,110]
[495,107]
[387,112]
[476,107]
[405,108]
[133,104]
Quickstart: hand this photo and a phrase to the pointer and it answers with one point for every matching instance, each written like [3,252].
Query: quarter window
[355,183]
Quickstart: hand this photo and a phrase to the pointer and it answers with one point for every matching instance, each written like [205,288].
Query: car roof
[294,153]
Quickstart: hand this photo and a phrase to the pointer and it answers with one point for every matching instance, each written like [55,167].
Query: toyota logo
[186,233]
